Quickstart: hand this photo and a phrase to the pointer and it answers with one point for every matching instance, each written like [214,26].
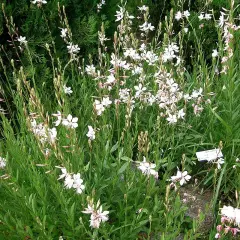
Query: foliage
[101,123]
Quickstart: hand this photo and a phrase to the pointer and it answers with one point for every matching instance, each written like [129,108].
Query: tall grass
[130,121]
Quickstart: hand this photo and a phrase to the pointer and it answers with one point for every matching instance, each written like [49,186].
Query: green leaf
[123,168]
[114,148]
[124,158]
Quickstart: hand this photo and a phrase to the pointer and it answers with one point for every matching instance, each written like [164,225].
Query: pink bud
[219,228]
[223,219]
[234,231]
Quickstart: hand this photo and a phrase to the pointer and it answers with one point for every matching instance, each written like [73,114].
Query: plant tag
[209,155]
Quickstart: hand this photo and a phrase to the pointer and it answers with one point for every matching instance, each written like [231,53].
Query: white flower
[77,184]
[73,49]
[99,107]
[147,168]
[90,70]
[39,2]
[181,114]
[52,135]
[2,162]
[120,14]
[64,32]
[150,57]
[106,101]
[124,94]
[201,16]
[172,118]
[102,37]
[217,235]
[70,122]
[178,16]
[59,118]
[72,181]
[64,173]
[67,90]
[69,181]
[219,162]
[221,20]
[143,8]
[181,177]
[41,131]
[91,133]
[90,208]
[139,89]
[237,214]
[170,52]
[208,16]
[197,93]
[22,40]
[187,97]
[214,53]
[142,47]
[97,215]
[233,214]
[137,70]
[186,14]
[110,79]
[173,87]
[146,27]
[99,5]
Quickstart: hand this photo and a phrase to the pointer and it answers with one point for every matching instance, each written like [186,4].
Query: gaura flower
[59,118]
[67,90]
[97,215]
[22,40]
[147,168]
[91,133]
[181,177]
[70,122]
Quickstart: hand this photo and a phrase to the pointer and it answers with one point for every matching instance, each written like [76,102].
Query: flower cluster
[100,106]
[145,27]
[91,70]
[43,132]
[73,49]
[147,168]
[97,215]
[170,53]
[99,5]
[72,181]
[227,28]
[135,60]
[230,222]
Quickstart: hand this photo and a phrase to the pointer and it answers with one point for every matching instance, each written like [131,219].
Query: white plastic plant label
[209,155]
